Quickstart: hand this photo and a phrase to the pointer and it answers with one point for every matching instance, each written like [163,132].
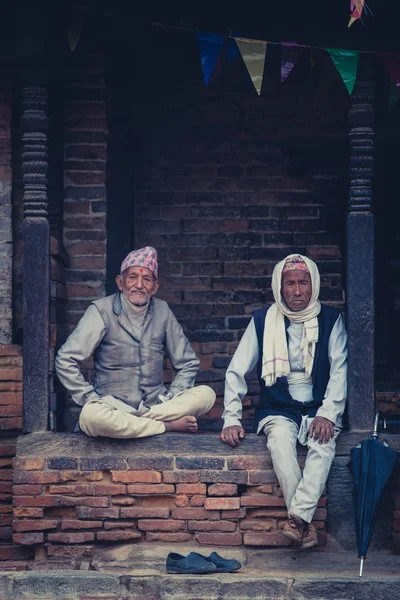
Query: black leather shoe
[192,563]
[223,565]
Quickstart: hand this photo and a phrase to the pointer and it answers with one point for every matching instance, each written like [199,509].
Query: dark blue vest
[276,400]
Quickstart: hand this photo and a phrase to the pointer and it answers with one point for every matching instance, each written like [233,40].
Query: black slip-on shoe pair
[196,563]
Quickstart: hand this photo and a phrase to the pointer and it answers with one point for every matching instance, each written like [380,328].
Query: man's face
[296,289]
[138,285]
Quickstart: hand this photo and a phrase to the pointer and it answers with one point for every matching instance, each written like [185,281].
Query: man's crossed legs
[301,492]
[100,418]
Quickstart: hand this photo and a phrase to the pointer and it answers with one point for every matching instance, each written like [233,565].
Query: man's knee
[89,419]
[207,396]
[281,439]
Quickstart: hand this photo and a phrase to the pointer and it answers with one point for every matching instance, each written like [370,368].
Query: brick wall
[84,186]
[70,503]
[6,248]
[10,427]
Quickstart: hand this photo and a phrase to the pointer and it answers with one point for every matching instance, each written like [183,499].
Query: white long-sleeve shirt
[246,357]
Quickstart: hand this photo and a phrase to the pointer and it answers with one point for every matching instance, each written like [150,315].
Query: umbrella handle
[376,423]
[361,565]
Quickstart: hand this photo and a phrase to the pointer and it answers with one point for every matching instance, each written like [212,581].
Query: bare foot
[188,424]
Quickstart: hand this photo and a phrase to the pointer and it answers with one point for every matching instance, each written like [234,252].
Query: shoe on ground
[310,537]
[193,563]
[223,565]
[293,530]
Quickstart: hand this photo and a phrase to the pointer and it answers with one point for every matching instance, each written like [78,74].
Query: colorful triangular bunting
[253,53]
[289,56]
[210,48]
[346,62]
[356,8]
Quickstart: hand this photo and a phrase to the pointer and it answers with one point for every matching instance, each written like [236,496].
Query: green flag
[346,62]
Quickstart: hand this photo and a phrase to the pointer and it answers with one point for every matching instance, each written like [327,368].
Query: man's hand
[321,429]
[232,435]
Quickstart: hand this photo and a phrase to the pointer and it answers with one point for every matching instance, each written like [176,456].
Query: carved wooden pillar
[360,262]
[36,260]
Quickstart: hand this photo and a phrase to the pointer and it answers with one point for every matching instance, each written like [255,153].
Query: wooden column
[360,262]
[36,260]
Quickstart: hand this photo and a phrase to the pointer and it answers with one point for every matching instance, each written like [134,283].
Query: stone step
[147,584]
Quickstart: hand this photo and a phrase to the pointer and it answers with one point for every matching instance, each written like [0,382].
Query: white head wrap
[275,359]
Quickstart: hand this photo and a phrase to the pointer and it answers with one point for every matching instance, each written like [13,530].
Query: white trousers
[100,418]
[300,491]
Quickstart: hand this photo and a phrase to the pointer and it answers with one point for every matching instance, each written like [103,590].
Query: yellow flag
[253,53]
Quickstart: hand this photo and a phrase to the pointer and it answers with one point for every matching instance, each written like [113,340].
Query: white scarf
[275,357]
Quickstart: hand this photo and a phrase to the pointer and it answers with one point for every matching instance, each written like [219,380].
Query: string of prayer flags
[253,53]
[210,47]
[346,62]
[356,9]
[290,53]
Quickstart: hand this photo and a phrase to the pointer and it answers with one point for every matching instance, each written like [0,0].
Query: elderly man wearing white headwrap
[300,348]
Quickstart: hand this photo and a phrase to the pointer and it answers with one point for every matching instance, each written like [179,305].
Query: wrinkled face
[138,285]
[296,289]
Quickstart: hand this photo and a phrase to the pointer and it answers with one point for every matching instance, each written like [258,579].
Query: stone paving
[137,572]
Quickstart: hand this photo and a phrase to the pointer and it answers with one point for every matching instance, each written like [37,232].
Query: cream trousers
[300,491]
[99,418]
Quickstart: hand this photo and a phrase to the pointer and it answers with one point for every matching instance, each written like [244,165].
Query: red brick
[6,487]
[181,476]
[256,490]
[182,501]
[139,489]
[123,500]
[136,476]
[11,398]
[191,488]
[76,489]
[81,476]
[261,501]
[60,512]
[220,539]
[249,463]
[262,477]
[34,525]
[35,501]
[97,513]
[265,539]
[222,489]
[98,502]
[36,477]
[321,514]
[195,514]
[10,423]
[68,551]
[168,537]
[119,524]
[28,512]
[257,525]
[10,350]
[158,501]
[6,520]
[71,538]
[211,526]
[197,500]
[109,490]
[11,410]
[6,462]
[222,503]
[161,525]
[24,490]
[140,512]
[267,513]
[78,524]
[10,374]
[118,536]
[27,539]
